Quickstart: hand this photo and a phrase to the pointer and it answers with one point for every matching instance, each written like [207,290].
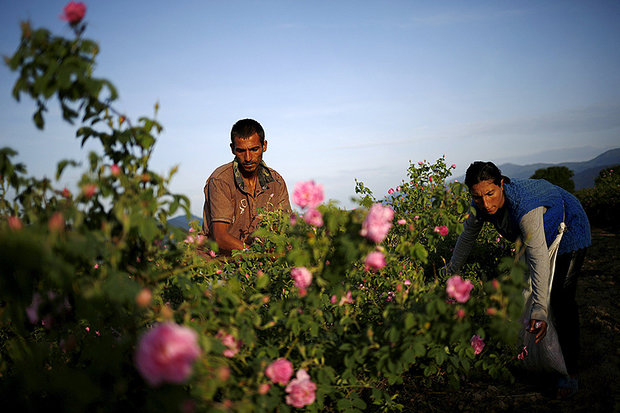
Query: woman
[532,210]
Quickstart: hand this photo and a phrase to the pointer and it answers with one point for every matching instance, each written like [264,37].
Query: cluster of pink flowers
[459,289]
[345,299]
[308,195]
[377,223]
[442,230]
[74,12]
[300,390]
[167,353]
[196,239]
[233,345]
[477,343]
[302,277]
[374,261]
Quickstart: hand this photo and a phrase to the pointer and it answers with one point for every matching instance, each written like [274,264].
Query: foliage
[84,276]
[602,202]
[557,175]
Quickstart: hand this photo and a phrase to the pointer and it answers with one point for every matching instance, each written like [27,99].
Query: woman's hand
[539,328]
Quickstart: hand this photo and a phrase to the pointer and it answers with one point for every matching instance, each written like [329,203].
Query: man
[235,191]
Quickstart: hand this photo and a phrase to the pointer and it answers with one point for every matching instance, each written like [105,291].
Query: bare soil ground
[598,296]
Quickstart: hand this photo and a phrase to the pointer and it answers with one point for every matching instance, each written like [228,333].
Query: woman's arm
[537,257]
[472,227]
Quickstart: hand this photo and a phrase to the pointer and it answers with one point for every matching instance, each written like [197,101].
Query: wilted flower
[308,194]
[375,261]
[300,390]
[477,343]
[459,289]
[377,223]
[166,353]
[280,371]
[313,217]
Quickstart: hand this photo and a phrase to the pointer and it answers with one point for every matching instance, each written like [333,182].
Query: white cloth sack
[545,355]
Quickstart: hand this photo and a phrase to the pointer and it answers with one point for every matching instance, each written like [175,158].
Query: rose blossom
[377,223]
[391,191]
[89,190]
[56,222]
[74,12]
[375,261]
[313,217]
[401,221]
[442,230]
[15,223]
[459,289]
[453,166]
[300,390]
[264,388]
[115,170]
[166,353]
[302,277]
[280,371]
[477,343]
[308,194]
[346,299]
[229,341]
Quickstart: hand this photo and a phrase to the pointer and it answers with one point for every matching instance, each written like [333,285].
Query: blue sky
[344,89]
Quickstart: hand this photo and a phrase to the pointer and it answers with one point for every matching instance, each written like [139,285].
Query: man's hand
[225,241]
[539,328]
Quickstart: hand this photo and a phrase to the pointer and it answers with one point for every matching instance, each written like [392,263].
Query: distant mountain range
[585,172]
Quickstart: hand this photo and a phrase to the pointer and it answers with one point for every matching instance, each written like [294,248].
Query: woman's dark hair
[483,171]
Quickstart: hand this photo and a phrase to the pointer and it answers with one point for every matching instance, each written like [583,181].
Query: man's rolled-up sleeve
[218,205]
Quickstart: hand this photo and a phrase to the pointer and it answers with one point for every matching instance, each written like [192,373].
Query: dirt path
[598,296]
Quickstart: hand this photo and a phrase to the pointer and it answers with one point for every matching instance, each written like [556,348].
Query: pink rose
[144,297]
[390,191]
[377,223]
[477,343]
[14,223]
[66,193]
[442,230]
[300,390]
[495,284]
[398,188]
[302,277]
[375,261]
[307,194]
[460,313]
[56,222]
[229,341]
[166,353]
[264,388]
[346,299]
[280,371]
[401,222]
[453,166]
[74,12]
[89,190]
[333,299]
[459,289]
[313,217]
[115,170]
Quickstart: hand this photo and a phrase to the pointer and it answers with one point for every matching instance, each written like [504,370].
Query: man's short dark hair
[245,128]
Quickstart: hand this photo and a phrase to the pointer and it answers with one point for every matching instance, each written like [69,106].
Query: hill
[181,221]
[585,172]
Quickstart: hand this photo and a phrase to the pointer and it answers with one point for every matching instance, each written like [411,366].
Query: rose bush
[121,293]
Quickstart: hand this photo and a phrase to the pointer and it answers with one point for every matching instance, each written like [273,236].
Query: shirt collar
[264,175]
